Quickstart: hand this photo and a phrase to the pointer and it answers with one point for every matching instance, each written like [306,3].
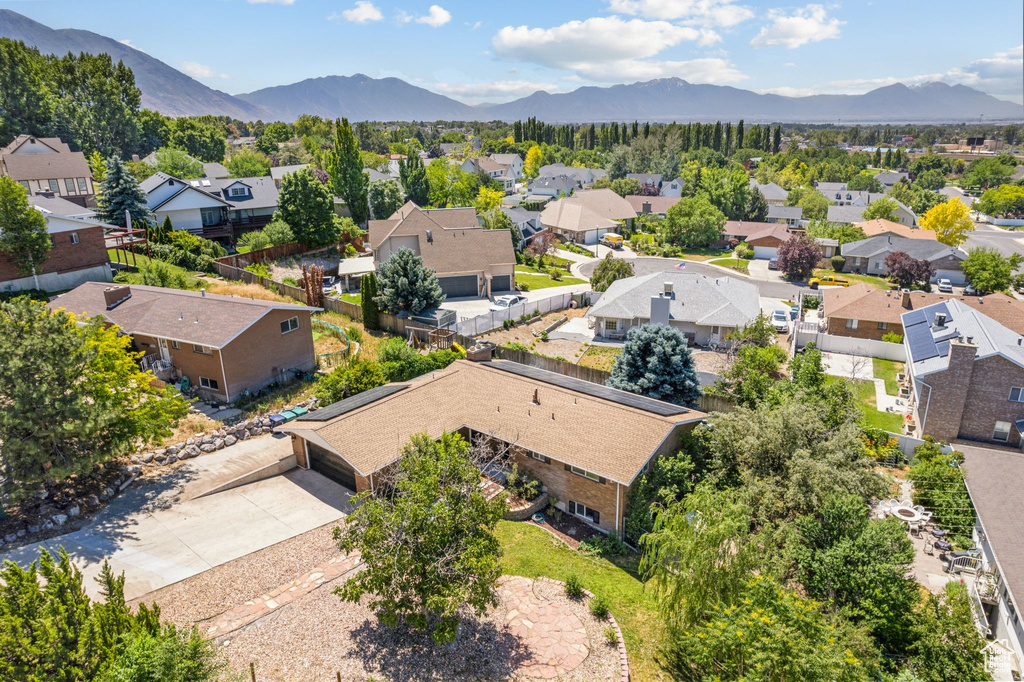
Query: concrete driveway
[471,307]
[758,269]
[167,529]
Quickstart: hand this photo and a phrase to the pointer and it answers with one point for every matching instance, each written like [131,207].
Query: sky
[494,50]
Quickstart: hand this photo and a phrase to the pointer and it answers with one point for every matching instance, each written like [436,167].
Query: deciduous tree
[609,270]
[385,198]
[534,160]
[988,270]
[907,271]
[656,362]
[863,182]
[177,163]
[345,166]
[1005,201]
[248,163]
[23,234]
[307,207]
[950,220]
[413,176]
[693,222]
[948,646]
[798,256]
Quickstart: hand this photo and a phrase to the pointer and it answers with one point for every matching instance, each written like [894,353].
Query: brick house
[78,253]
[868,256]
[967,374]
[864,312]
[224,344]
[550,419]
[45,166]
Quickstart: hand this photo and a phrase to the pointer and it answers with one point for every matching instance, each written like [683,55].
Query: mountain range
[360,97]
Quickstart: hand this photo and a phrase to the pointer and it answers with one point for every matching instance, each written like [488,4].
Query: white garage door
[954,276]
[766,251]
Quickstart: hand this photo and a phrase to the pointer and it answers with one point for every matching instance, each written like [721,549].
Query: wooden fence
[240,260]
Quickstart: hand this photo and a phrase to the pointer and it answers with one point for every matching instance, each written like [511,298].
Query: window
[202,350]
[82,187]
[238,191]
[209,383]
[24,183]
[175,345]
[1002,432]
[540,458]
[611,325]
[54,187]
[289,325]
[883,325]
[586,474]
[69,185]
[74,237]
[584,511]
[1017,395]
[851,324]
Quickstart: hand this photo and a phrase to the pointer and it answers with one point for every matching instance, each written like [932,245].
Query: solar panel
[922,346]
[354,403]
[589,388]
[914,317]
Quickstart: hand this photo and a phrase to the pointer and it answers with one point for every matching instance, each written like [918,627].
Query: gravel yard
[711,361]
[523,334]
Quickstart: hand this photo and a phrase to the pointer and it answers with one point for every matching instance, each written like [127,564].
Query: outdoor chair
[926,517]
[915,529]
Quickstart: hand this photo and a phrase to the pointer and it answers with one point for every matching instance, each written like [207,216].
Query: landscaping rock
[108,492]
[10,537]
[207,447]
[192,451]
[93,501]
[218,444]
[161,451]
[267,429]
[207,440]
[230,440]
[190,441]
[134,470]
[59,519]
[243,435]
[33,528]
[47,525]
[137,458]
[148,457]
[74,510]
[171,459]
[255,431]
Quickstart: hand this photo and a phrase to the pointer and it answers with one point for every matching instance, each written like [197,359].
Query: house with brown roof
[498,172]
[587,215]
[649,205]
[224,345]
[467,259]
[865,312]
[45,166]
[880,226]
[868,256]
[548,418]
[78,250]
[766,242]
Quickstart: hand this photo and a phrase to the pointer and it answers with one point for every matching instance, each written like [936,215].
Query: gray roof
[278,172]
[699,299]
[929,346]
[922,249]
[845,214]
[263,190]
[562,183]
[520,215]
[785,212]
[59,206]
[377,175]
[646,178]
[770,191]
[215,170]
[506,159]
[889,178]
[830,187]
[851,195]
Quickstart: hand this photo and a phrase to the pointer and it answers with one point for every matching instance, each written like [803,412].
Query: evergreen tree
[727,143]
[120,192]
[777,140]
[887,161]
[757,208]
[23,234]
[716,137]
[345,167]
[404,284]
[739,134]
[647,129]
[876,160]
[306,206]
[367,295]
[656,362]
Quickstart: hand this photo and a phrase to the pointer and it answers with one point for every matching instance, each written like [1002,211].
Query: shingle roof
[263,190]
[59,206]
[929,347]
[865,302]
[774,230]
[490,400]
[891,177]
[785,212]
[210,320]
[879,226]
[486,164]
[562,183]
[213,169]
[587,210]
[745,228]
[49,166]
[922,249]
[699,299]
[770,191]
[53,143]
[658,205]
[646,178]
[278,172]
[830,187]
[506,159]
[845,214]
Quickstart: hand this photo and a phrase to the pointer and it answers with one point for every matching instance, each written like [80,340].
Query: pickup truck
[827,281]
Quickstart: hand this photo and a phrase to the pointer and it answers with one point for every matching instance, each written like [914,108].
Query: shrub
[354,334]
[255,240]
[522,485]
[348,380]
[599,608]
[555,274]
[892,338]
[34,294]
[291,281]
[515,345]
[611,636]
[604,546]
[523,286]
[811,303]
[573,587]
[880,445]
[544,335]
[259,269]
[838,263]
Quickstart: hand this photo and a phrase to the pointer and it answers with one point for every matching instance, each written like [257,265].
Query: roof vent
[536,396]
[970,339]
[202,292]
[668,289]
[645,207]
[940,320]
[430,236]
[115,296]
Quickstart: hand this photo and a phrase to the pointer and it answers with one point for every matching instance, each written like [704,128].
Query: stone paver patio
[553,634]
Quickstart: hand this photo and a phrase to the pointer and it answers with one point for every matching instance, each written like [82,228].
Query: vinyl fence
[491,320]
[870,348]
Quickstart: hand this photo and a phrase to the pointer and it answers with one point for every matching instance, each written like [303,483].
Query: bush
[611,636]
[515,345]
[892,338]
[599,608]
[811,303]
[881,446]
[544,335]
[523,286]
[259,269]
[555,274]
[604,546]
[838,263]
[573,587]
[743,251]
[354,334]
[522,485]
[291,281]
[414,365]
[348,380]
[34,294]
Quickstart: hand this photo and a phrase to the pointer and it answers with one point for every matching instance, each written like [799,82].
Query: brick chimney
[645,207]
[906,300]
[115,296]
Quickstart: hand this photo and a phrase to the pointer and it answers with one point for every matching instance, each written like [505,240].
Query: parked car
[969,290]
[773,263]
[945,286]
[329,283]
[506,302]
[780,320]
[827,281]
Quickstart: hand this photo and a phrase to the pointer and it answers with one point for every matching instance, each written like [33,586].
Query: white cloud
[436,16]
[724,13]
[476,25]
[271,2]
[128,42]
[808,25]
[787,91]
[706,70]
[500,90]
[403,17]
[363,12]
[790,64]
[197,70]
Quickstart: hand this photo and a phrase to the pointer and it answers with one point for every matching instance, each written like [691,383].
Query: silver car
[780,320]
[945,286]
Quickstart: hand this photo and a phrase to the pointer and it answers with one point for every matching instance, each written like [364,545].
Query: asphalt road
[648,266]
[1005,242]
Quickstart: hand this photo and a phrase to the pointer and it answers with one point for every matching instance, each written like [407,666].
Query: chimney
[940,321]
[645,207]
[668,290]
[114,296]
[660,309]
[906,300]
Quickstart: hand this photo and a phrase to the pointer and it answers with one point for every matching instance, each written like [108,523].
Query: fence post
[252,671]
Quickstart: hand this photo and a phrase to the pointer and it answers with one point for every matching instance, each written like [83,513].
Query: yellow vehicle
[612,240]
[827,281]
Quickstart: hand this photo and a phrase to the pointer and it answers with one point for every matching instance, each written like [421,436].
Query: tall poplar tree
[346,170]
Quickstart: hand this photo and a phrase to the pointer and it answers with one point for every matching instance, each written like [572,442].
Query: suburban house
[494,170]
[78,253]
[741,229]
[993,477]
[224,344]
[467,259]
[865,312]
[881,226]
[766,242]
[211,208]
[528,222]
[547,418]
[584,176]
[706,309]
[45,166]
[672,188]
[513,164]
[552,186]
[211,169]
[826,187]
[967,374]
[587,215]
[850,197]
[647,179]
[868,256]
[787,215]
[277,173]
[851,215]
[772,193]
[658,206]
[890,178]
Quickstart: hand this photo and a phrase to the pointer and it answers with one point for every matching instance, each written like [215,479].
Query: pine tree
[739,135]
[120,192]
[647,129]
[887,162]
[716,137]
[367,294]
[656,362]
[405,284]
[346,170]
[727,143]
[636,129]
[876,160]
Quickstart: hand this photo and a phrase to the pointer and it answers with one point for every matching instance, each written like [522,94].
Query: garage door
[955,276]
[766,251]
[501,283]
[460,285]
[330,465]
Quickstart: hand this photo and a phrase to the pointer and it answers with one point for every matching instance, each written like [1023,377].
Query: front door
[716,334]
[165,352]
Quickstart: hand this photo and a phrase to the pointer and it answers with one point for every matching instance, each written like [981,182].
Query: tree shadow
[483,650]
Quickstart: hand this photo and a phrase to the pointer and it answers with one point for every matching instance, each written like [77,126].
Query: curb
[623,657]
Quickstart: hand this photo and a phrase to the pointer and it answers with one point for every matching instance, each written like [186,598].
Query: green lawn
[537,271]
[600,357]
[532,552]
[871,416]
[543,281]
[352,298]
[887,370]
[877,282]
[116,255]
[738,264]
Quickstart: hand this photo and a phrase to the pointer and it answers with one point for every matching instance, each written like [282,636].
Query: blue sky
[489,50]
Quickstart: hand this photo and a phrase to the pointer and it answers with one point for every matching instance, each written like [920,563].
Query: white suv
[506,302]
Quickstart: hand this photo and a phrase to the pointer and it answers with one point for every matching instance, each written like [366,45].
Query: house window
[175,345]
[289,325]
[1017,395]
[209,383]
[851,324]
[238,192]
[585,474]
[54,187]
[53,242]
[611,325]
[540,458]
[1002,432]
[202,350]
[74,237]
[82,187]
[24,183]
[69,185]
[583,511]
[883,326]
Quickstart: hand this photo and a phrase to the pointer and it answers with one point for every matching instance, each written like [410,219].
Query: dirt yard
[523,334]
[291,266]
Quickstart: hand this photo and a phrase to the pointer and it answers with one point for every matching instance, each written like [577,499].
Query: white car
[945,286]
[780,320]
[506,302]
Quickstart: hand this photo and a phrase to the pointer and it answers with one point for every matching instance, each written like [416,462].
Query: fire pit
[908,514]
